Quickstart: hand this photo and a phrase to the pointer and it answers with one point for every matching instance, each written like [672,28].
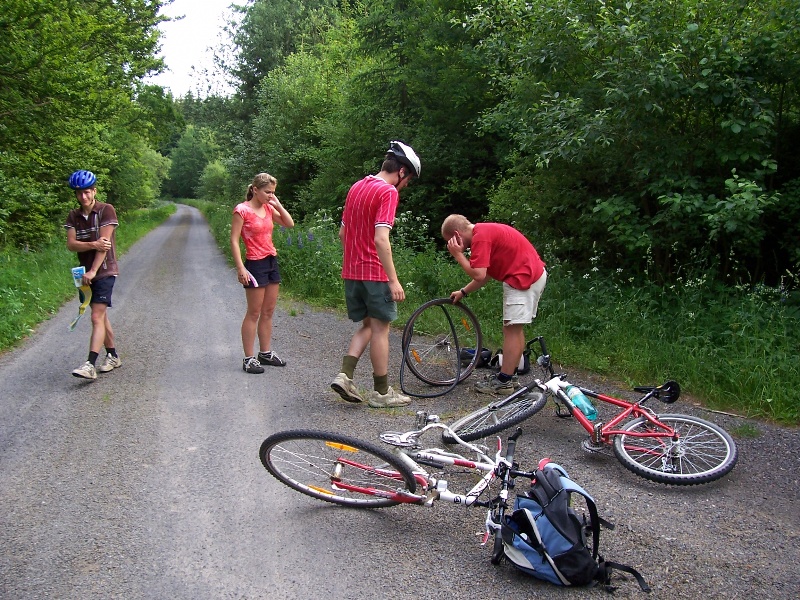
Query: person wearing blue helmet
[90,233]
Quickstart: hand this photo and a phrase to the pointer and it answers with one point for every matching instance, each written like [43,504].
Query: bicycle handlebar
[539,339]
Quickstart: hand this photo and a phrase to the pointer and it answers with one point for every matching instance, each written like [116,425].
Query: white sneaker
[346,388]
[390,399]
[86,371]
[109,364]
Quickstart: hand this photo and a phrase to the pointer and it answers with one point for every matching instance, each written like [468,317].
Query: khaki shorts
[520,306]
[369,299]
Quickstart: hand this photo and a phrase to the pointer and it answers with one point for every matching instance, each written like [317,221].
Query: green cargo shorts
[369,299]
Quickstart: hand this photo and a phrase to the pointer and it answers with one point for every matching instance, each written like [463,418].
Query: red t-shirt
[506,254]
[370,203]
[256,232]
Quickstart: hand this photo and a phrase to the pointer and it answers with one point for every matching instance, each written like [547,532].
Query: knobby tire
[707,451]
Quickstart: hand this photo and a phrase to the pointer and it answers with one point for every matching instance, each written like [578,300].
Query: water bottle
[580,400]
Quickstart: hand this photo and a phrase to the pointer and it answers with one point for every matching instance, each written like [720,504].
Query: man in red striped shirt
[372,289]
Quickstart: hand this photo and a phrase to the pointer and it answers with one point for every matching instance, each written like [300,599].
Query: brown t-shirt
[87,229]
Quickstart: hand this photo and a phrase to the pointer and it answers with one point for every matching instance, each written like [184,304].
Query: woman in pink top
[253,221]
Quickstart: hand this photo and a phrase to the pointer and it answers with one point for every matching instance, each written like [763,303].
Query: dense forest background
[654,135]
[648,148]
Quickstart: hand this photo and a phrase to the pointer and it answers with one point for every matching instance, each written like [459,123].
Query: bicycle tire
[497,416]
[498,550]
[708,452]
[434,337]
[305,461]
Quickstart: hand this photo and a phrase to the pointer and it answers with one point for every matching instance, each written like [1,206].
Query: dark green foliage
[69,74]
[664,118]
[659,129]
[195,149]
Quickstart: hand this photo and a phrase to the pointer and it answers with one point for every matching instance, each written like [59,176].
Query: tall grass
[33,285]
[732,348]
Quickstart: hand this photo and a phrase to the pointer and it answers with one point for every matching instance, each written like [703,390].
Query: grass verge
[734,348]
[34,285]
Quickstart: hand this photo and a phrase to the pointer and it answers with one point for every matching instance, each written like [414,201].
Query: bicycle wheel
[435,335]
[497,416]
[706,451]
[325,466]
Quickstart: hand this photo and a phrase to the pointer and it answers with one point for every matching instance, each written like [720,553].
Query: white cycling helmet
[406,155]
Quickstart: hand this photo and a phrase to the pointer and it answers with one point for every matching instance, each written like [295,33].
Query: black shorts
[101,290]
[265,270]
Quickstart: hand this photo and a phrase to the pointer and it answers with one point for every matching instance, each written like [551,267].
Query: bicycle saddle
[666,392]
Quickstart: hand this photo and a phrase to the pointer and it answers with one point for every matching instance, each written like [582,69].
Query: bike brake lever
[490,526]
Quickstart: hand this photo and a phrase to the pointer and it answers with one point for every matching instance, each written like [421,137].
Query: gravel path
[146,483]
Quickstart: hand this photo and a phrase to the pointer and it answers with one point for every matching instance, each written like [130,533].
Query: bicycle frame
[407,450]
[668,448]
[600,432]
[603,433]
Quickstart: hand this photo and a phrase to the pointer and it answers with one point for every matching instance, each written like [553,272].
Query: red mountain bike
[667,448]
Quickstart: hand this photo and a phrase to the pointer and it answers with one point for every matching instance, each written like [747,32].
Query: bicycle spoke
[435,341]
[497,416]
[703,453]
[336,469]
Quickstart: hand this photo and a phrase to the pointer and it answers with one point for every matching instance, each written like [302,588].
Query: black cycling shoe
[271,359]
[251,365]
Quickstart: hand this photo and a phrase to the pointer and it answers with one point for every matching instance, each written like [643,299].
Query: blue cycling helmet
[82,180]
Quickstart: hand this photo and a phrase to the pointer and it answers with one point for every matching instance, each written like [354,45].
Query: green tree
[215,182]
[67,70]
[195,149]
[270,31]
[659,121]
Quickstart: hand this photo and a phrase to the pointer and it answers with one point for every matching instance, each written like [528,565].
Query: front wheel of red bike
[497,416]
[704,452]
[336,468]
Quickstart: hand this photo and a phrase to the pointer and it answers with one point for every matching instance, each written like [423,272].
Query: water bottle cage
[562,411]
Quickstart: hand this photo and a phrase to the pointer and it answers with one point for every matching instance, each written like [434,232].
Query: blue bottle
[583,403]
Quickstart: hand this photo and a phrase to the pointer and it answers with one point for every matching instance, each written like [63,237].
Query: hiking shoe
[109,364]
[271,359]
[251,365]
[86,371]
[492,385]
[390,399]
[345,387]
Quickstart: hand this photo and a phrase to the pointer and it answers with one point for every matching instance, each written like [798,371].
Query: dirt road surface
[147,484]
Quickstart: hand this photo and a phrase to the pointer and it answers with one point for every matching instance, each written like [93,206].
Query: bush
[215,182]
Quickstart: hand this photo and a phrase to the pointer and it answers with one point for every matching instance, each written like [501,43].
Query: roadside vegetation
[34,285]
[648,149]
[732,349]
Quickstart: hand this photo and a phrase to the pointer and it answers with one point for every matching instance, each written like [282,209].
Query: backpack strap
[604,574]
[573,487]
[549,483]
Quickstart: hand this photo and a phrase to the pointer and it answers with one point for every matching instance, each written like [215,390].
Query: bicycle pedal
[589,446]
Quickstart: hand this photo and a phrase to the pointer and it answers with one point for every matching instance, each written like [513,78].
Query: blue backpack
[546,538]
